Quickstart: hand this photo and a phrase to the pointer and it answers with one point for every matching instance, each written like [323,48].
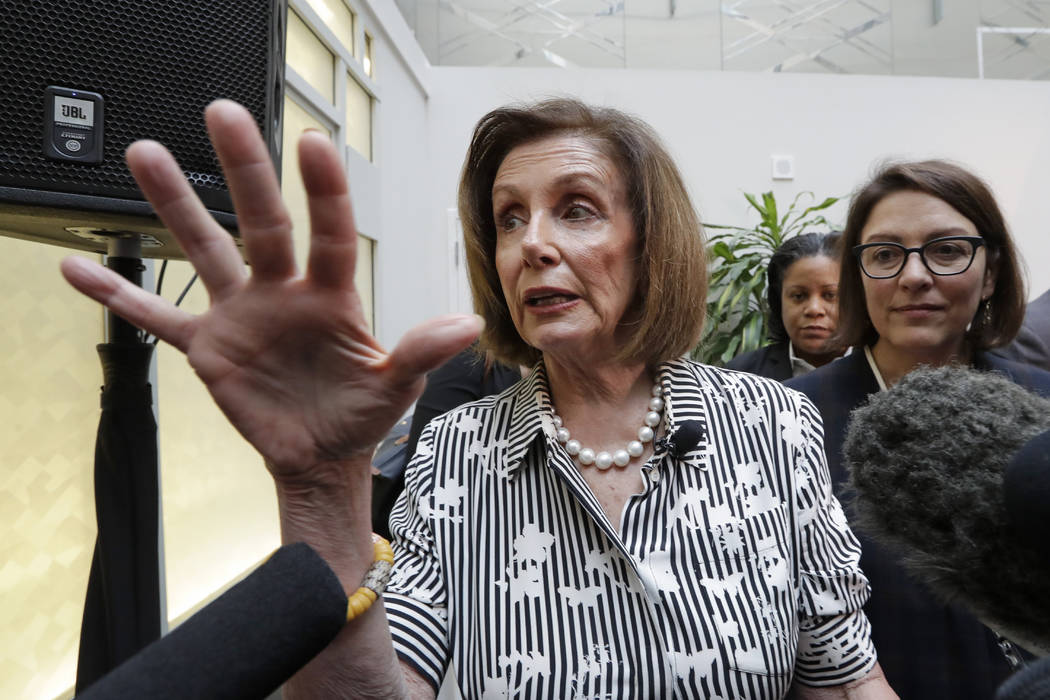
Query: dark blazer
[926,649]
[772,361]
[462,379]
[1032,344]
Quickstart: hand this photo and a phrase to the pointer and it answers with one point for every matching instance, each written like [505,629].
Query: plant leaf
[754,202]
[769,218]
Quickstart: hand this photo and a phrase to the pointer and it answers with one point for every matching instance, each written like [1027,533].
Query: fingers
[262,218]
[206,244]
[147,311]
[430,345]
[333,237]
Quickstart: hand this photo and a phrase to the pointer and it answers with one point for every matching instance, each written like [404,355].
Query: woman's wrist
[331,512]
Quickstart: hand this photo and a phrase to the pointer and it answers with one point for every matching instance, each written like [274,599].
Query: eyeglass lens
[941,257]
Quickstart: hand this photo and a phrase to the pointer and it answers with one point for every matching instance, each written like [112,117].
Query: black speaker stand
[122,608]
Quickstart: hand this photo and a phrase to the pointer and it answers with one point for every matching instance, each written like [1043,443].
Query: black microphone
[684,439]
[927,462]
[245,643]
[1026,489]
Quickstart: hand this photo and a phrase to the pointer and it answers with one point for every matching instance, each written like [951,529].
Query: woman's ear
[991,273]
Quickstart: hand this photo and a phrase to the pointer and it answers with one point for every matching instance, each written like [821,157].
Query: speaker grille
[157,63]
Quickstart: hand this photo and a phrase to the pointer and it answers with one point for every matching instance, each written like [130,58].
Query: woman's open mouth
[549,300]
[542,298]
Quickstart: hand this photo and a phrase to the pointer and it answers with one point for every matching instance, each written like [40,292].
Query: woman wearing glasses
[930,276]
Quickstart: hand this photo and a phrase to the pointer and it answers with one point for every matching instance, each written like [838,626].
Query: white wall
[723,127]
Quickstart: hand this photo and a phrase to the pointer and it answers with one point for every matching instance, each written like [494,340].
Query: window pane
[369,58]
[337,17]
[358,118]
[310,58]
[364,278]
[296,121]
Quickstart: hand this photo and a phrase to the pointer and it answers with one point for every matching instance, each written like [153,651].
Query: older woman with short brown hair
[621,523]
[665,223]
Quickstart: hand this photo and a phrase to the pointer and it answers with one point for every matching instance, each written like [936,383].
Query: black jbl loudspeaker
[80,80]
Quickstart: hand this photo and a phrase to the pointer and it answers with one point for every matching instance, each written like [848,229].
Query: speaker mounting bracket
[105,235]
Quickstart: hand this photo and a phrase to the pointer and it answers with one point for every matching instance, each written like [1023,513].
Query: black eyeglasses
[951,255]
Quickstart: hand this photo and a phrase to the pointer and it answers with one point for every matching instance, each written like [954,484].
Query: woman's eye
[510,223]
[577,212]
[885,255]
[948,250]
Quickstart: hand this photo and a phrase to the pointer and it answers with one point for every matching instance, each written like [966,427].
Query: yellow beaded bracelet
[375,581]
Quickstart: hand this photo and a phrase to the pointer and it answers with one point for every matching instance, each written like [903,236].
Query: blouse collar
[531,415]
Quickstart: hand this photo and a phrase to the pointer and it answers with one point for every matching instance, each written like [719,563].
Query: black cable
[186,290]
[182,296]
[160,277]
[160,285]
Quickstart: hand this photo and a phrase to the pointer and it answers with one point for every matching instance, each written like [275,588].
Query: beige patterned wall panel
[48,418]
[219,507]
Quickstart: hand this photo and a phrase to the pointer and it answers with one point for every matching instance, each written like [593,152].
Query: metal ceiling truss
[773,35]
[807,23]
[1013,41]
[554,26]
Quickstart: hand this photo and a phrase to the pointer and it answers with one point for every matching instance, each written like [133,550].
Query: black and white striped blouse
[733,570]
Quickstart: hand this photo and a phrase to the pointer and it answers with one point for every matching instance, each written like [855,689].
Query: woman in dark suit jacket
[957,297]
[802,290]
[467,377]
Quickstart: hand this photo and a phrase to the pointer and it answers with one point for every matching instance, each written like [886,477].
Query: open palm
[287,357]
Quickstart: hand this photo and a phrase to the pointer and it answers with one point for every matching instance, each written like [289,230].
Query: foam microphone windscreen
[926,463]
[1030,683]
[245,643]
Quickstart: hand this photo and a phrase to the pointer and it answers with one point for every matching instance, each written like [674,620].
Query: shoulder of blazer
[841,381]
[1029,376]
[764,361]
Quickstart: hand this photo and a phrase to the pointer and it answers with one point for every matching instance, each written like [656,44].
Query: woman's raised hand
[287,357]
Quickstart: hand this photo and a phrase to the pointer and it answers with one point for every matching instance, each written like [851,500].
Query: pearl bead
[621,457]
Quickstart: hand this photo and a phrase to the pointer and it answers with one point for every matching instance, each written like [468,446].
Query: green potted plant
[737,310]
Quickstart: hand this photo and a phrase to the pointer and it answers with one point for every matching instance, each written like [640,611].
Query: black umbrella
[122,606]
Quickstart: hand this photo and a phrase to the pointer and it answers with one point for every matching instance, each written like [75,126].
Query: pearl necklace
[622,457]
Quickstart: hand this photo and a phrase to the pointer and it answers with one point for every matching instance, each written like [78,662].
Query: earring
[986,317]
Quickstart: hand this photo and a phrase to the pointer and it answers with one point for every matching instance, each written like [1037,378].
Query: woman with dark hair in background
[930,277]
[802,290]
